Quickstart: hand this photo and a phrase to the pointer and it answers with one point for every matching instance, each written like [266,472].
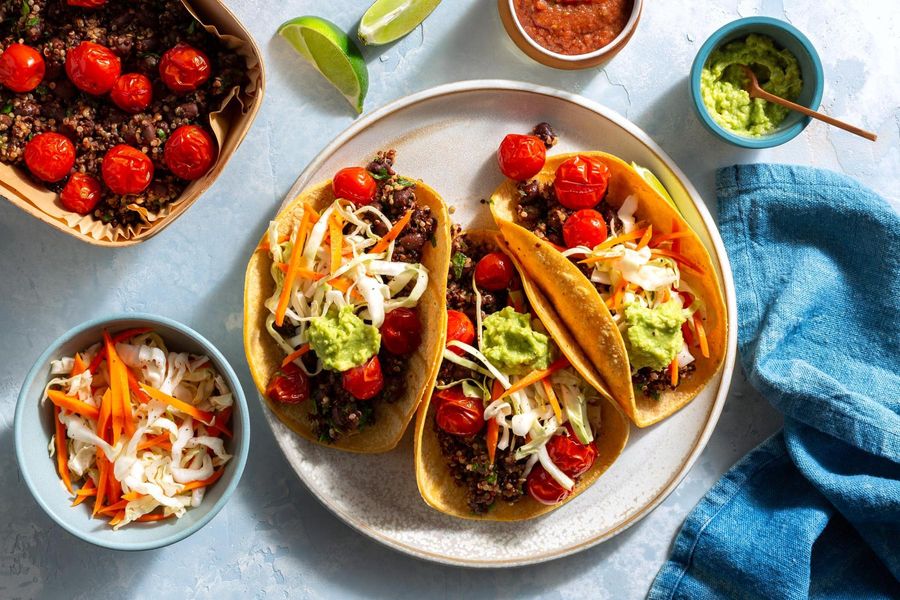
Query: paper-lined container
[229,124]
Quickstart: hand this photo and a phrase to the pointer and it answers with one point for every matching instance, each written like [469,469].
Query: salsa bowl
[34,427]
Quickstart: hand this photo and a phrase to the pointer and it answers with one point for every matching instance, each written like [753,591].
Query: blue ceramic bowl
[34,427]
[786,36]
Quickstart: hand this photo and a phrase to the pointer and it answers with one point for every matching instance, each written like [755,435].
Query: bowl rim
[714,41]
[630,25]
[239,459]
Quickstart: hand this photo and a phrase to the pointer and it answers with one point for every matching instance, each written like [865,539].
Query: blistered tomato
[93,68]
[184,68]
[132,92]
[494,271]
[401,332]
[126,170]
[190,152]
[365,381]
[581,182]
[544,488]
[521,157]
[81,193]
[50,156]
[21,68]
[585,227]
[354,184]
[460,415]
[570,455]
[289,385]
[460,329]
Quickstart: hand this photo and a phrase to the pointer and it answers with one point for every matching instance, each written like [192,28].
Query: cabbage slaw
[142,429]
[358,271]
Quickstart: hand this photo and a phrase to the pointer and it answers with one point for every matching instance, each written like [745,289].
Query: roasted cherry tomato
[93,68]
[401,332]
[494,271]
[544,488]
[570,455]
[190,152]
[86,3]
[50,156]
[581,182]
[585,227]
[289,385]
[184,68]
[132,92]
[81,193]
[453,393]
[126,170]
[460,415]
[521,157]
[354,184]
[21,68]
[459,328]
[365,381]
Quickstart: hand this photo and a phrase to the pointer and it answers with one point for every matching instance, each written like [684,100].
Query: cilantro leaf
[458,262]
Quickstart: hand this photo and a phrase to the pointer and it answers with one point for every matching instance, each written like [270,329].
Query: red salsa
[573,26]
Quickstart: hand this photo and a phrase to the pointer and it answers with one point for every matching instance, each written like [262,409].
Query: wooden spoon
[755,91]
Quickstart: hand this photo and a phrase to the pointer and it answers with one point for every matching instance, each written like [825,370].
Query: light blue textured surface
[274,540]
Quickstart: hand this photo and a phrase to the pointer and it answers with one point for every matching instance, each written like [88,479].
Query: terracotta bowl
[566,61]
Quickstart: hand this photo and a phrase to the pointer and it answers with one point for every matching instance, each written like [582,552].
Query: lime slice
[332,53]
[655,183]
[389,20]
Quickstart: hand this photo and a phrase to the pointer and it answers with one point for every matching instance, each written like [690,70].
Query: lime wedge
[389,20]
[332,53]
[655,183]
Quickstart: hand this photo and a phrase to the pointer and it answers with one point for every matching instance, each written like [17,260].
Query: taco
[607,250]
[518,423]
[344,329]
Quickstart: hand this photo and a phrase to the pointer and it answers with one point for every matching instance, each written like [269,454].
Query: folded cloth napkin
[813,512]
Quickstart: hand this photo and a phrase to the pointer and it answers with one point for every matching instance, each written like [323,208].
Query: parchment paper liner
[229,125]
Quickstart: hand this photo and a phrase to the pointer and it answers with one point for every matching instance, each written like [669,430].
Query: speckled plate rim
[717,250]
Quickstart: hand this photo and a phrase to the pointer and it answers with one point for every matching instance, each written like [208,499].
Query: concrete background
[274,540]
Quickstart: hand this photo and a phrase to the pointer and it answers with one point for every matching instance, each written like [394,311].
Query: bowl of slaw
[185,350]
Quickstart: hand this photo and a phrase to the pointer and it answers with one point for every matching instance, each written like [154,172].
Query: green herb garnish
[458,262]
[161,134]
[26,8]
[33,21]
[7,109]
[404,182]
[379,175]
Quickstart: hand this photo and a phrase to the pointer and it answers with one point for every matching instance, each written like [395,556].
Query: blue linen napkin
[815,510]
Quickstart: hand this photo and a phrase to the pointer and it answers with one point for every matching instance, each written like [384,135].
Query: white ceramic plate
[448,137]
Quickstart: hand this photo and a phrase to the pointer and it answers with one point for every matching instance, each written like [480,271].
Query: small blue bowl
[34,427]
[786,36]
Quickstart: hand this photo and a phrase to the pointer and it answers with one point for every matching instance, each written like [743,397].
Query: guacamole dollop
[512,345]
[722,85]
[654,334]
[342,340]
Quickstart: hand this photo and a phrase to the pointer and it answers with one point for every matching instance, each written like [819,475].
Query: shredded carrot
[193,485]
[336,233]
[62,454]
[535,376]
[103,479]
[114,508]
[615,298]
[120,516]
[592,260]
[391,235]
[159,441]
[493,433]
[72,404]
[551,396]
[645,239]
[678,257]
[496,390]
[105,414]
[87,490]
[114,488]
[295,355]
[154,517]
[115,385]
[701,335]
[621,239]
[673,371]
[135,387]
[303,273]
[132,496]
[306,223]
[79,366]
[200,415]
[668,237]
[220,425]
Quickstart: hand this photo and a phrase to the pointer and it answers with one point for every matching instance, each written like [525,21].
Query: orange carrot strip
[193,485]
[153,517]
[103,478]
[120,516]
[701,335]
[551,396]
[306,223]
[302,273]
[673,371]
[86,491]
[62,454]
[621,239]
[496,390]
[592,260]
[114,508]
[132,496]
[391,235]
[73,404]
[200,415]
[115,385]
[295,355]
[678,258]
[135,387]
[668,237]
[336,233]
[105,414]
[79,366]
[645,239]
[616,293]
[114,488]
[493,433]
[535,376]
[155,442]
